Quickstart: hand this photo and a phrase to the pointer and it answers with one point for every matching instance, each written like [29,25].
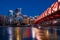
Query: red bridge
[51,16]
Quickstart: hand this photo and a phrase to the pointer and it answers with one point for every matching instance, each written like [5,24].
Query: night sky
[29,7]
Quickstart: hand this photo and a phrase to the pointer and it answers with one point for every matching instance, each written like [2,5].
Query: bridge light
[59,7]
[58,0]
[45,13]
[52,11]
[55,9]
[54,22]
[49,11]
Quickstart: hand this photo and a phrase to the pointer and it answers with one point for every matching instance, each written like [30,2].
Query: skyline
[29,7]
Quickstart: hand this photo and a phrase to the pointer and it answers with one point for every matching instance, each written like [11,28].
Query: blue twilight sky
[29,7]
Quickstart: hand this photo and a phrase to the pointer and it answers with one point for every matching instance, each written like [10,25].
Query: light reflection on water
[48,34]
[52,34]
[14,33]
[44,34]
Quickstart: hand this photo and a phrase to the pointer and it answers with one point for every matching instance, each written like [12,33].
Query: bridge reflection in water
[49,33]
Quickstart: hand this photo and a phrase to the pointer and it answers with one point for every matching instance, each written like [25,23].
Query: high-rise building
[18,15]
[11,17]
[3,20]
[18,12]
[11,13]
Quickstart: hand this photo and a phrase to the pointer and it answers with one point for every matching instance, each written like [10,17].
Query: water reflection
[15,33]
[48,33]
[10,32]
[52,33]
[24,33]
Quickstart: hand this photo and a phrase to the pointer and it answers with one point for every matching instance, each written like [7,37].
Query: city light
[54,21]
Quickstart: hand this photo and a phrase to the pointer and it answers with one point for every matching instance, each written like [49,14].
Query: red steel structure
[53,12]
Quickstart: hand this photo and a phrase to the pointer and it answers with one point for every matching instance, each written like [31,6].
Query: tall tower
[11,16]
